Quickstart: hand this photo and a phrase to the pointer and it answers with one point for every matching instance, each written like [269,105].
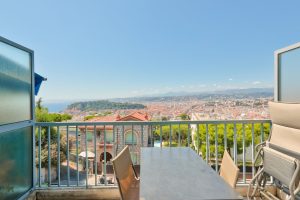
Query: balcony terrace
[72,173]
[73,160]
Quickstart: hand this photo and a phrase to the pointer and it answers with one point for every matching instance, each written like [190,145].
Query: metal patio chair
[126,176]
[279,156]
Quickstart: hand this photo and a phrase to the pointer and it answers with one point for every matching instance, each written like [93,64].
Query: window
[288,70]
[89,136]
[130,138]
[109,136]
[16,125]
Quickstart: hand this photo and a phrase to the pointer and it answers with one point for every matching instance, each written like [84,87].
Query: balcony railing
[78,154]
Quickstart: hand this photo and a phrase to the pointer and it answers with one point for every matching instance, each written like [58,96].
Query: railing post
[207,143]
[151,136]
[262,132]
[179,139]
[68,157]
[58,155]
[216,148]
[225,136]
[170,139]
[105,176]
[49,157]
[234,143]
[39,155]
[252,148]
[142,136]
[244,154]
[198,138]
[188,135]
[95,151]
[160,136]
[132,132]
[123,142]
[86,159]
[77,157]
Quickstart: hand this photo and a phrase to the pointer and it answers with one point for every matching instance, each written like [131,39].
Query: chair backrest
[229,171]
[124,172]
[279,165]
[285,136]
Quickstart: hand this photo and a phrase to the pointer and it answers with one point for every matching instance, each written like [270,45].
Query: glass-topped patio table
[178,173]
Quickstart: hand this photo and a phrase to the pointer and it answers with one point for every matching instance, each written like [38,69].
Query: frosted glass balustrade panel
[15,84]
[15,162]
[289,76]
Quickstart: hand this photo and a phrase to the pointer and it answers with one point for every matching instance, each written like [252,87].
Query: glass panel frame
[26,123]
[278,71]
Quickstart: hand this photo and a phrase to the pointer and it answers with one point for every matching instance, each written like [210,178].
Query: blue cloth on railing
[38,79]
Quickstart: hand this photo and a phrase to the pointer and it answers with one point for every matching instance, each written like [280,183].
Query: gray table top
[178,173]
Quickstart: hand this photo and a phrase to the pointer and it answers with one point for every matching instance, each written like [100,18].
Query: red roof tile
[108,118]
[136,116]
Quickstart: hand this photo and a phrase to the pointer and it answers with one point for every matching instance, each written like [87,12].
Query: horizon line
[187,93]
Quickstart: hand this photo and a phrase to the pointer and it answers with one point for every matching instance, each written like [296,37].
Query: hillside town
[211,109]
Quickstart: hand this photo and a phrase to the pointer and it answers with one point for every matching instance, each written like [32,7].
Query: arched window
[129,138]
[108,156]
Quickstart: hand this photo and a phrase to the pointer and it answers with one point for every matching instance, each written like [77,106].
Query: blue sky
[102,49]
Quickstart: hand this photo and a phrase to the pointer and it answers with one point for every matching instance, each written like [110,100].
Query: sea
[56,107]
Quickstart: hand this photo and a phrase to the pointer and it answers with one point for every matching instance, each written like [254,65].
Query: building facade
[114,138]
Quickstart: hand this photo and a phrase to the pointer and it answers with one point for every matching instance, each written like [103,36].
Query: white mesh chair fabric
[279,165]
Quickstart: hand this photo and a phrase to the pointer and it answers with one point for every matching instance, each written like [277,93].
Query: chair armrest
[260,145]
[259,154]
[292,189]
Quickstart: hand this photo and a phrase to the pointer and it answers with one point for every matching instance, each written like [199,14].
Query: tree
[39,104]
[164,118]
[242,132]
[178,135]
[184,116]
[104,105]
[216,132]
[42,115]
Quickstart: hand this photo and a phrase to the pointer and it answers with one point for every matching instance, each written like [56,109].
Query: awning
[89,154]
[38,79]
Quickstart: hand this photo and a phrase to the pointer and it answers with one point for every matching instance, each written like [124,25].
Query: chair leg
[256,179]
[292,189]
[119,186]
[268,195]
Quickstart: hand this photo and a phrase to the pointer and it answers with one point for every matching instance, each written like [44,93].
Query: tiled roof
[109,118]
[136,116]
